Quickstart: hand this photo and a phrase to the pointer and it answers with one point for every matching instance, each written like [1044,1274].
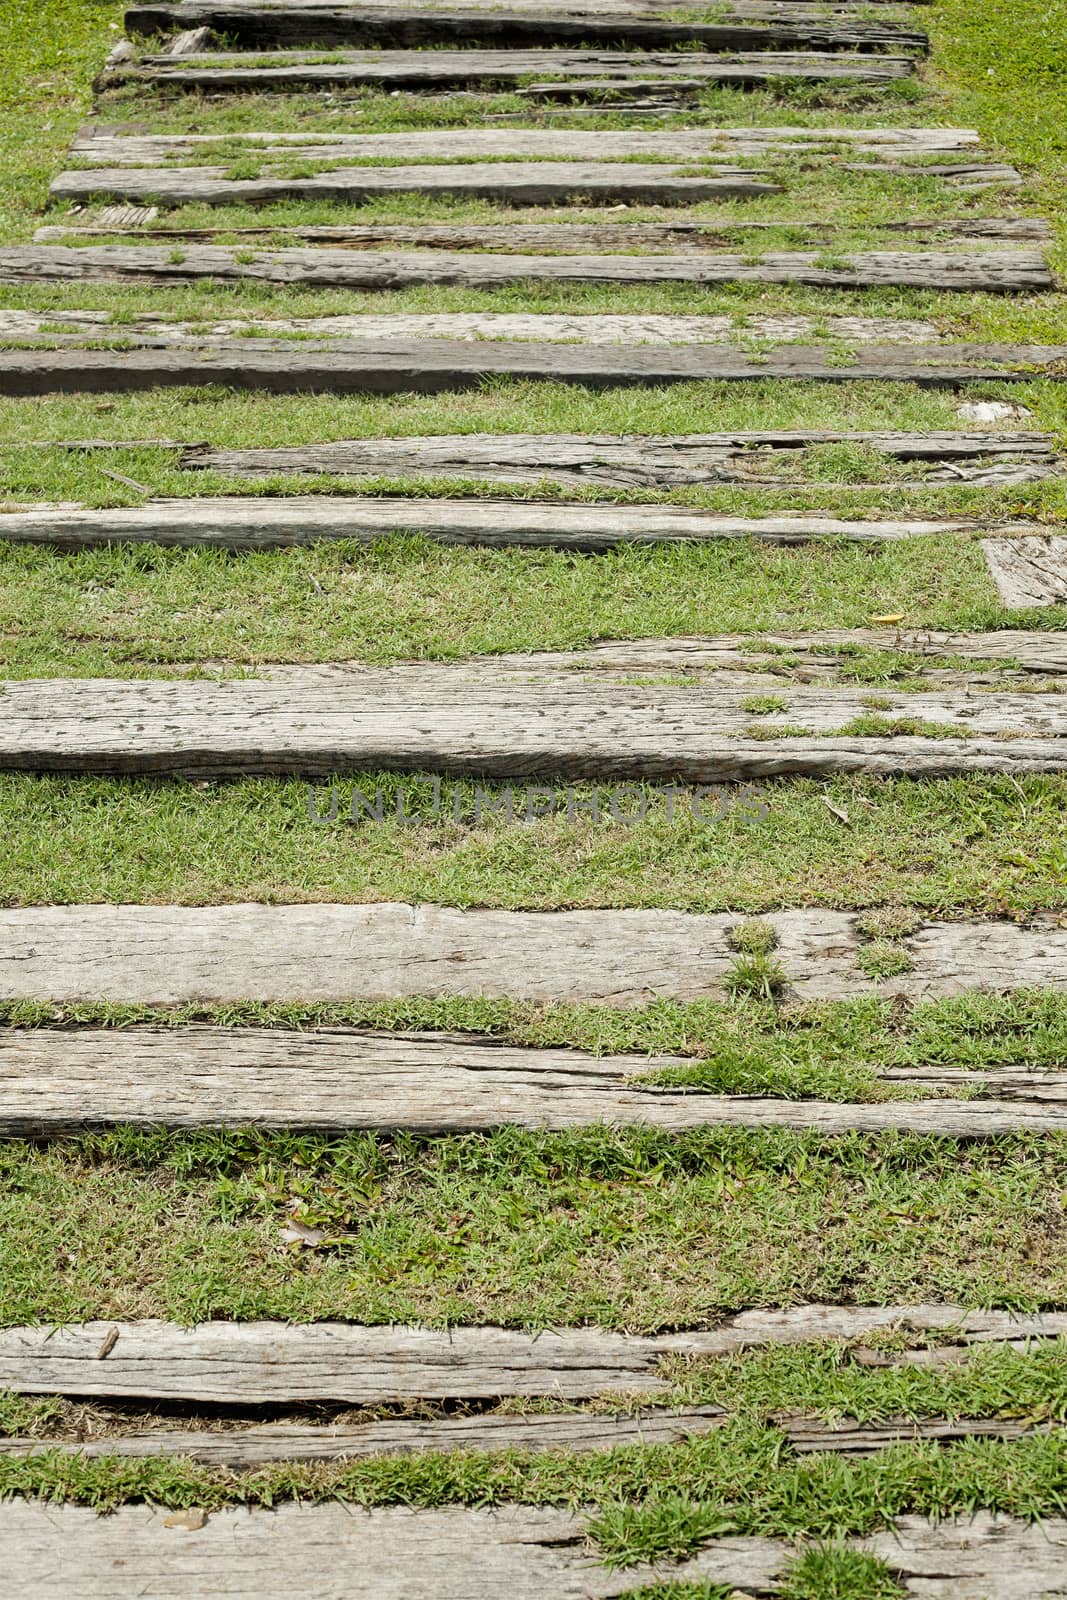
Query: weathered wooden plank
[174,955]
[661,462]
[439,365]
[277,1363]
[251,523]
[518,183]
[57,1081]
[742,27]
[246,1448]
[60,328]
[1005,271]
[1028,571]
[453,69]
[100,147]
[338,1550]
[442,719]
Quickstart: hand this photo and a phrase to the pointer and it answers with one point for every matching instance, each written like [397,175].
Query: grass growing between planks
[956,846]
[620,1228]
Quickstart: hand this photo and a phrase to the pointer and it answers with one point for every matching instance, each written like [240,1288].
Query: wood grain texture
[441,365]
[442,719]
[453,69]
[277,1363]
[57,1081]
[59,328]
[1029,570]
[238,522]
[341,1552]
[244,1449]
[633,461]
[104,149]
[743,27]
[516,183]
[177,955]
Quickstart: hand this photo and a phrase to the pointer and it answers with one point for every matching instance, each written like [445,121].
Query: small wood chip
[110,1341]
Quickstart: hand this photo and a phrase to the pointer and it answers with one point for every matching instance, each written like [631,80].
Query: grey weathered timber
[342,1552]
[518,183]
[240,523]
[545,238]
[244,1448]
[59,328]
[1004,271]
[578,71]
[743,27]
[438,365]
[441,719]
[102,148]
[176,955]
[277,1363]
[54,1082]
[1028,571]
[659,462]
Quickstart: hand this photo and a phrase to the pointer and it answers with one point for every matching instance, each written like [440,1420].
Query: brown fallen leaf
[111,1339]
[837,811]
[192,1520]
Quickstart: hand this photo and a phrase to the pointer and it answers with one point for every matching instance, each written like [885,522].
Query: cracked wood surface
[575,71]
[56,1081]
[244,522]
[442,719]
[1028,570]
[176,955]
[442,365]
[261,1363]
[342,1552]
[742,27]
[634,460]
[66,328]
[100,148]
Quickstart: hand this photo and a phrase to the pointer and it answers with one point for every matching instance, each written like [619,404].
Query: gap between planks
[56,1081]
[208,955]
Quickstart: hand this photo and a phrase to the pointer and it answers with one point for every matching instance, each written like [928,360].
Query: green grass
[986,845]
[622,1228]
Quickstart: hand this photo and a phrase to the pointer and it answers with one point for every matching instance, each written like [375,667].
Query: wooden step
[433,366]
[65,328]
[517,183]
[750,26]
[402,1554]
[278,1363]
[440,719]
[98,145]
[633,461]
[246,1449]
[1029,570]
[580,72]
[58,1081]
[211,955]
[1004,271]
[238,523]
[243,1449]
